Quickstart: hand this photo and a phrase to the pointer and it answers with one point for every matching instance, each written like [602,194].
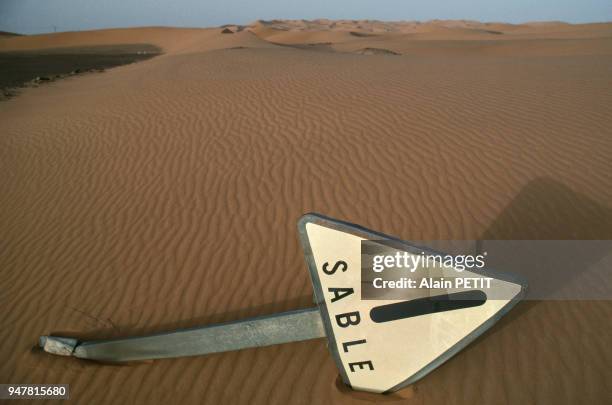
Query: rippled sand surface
[165,194]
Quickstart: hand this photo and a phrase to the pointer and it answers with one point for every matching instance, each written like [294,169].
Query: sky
[39,16]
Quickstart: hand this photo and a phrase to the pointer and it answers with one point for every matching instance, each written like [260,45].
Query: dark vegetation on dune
[31,68]
[376,51]
[361,34]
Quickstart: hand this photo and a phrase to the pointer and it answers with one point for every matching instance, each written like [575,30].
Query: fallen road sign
[378,345]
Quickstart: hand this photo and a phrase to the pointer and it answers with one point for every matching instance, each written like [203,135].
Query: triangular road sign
[383,356]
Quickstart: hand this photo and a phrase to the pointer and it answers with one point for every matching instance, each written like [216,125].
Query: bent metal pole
[269,330]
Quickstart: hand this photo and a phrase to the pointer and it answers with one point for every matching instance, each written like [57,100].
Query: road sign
[378,345]
[384,353]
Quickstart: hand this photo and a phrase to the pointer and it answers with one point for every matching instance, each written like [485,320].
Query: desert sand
[165,194]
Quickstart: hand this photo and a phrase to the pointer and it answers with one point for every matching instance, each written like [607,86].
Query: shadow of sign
[557,239]
[549,236]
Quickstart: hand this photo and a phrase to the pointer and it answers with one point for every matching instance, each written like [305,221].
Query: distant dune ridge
[165,194]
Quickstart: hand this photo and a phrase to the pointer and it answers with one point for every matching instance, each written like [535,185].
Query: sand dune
[443,38]
[165,194]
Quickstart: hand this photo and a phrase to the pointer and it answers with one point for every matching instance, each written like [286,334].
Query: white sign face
[384,355]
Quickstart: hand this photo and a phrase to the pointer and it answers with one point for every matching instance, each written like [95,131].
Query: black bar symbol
[428,305]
